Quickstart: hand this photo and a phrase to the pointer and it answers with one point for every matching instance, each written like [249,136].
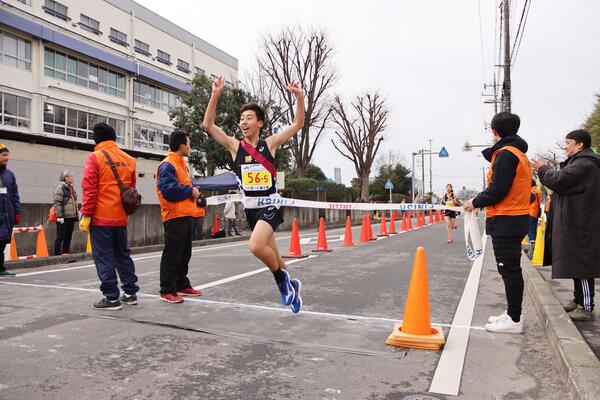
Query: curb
[576,360]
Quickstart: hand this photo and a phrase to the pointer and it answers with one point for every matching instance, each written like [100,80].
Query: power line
[520,30]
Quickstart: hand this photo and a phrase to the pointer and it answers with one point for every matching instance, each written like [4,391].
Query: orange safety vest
[109,207]
[200,212]
[176,209]
[516,202]
[534,208]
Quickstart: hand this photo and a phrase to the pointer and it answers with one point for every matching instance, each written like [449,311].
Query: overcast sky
[426,58]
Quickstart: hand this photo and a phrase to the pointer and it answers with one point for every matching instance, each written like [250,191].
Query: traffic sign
[443,153]
[389,185]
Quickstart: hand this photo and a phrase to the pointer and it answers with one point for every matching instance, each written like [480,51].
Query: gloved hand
[60,220]
[17,219]
[84,224]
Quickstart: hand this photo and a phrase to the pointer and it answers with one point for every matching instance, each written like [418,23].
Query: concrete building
[68,64]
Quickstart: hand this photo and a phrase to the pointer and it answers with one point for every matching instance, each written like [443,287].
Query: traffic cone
[13,249]
[404,225]
[431,217]
[88,246]
[348,242]
[538,249]
[393,217]
[364,230]
[41,248]
[415,330]
[409,220]
[370,228]
[216,225]
[383,227]
[295,250]
[322,239]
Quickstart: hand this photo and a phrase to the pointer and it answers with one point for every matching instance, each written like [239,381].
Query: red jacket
[101,193]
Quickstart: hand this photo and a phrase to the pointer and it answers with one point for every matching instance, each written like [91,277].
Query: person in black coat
[575,217]
[10,206]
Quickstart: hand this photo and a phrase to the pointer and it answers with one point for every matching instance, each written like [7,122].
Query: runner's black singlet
[253,178]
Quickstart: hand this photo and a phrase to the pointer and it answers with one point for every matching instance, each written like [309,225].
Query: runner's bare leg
[258,245]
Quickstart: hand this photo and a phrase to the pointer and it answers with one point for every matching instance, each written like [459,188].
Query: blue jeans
[533,222]
[111,253]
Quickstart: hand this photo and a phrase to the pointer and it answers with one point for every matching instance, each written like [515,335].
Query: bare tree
[294,55]
[361,134]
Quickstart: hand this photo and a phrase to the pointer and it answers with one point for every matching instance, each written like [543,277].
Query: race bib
[255,177]
[450,203]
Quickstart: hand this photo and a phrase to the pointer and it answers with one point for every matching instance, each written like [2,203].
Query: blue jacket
[10,204]
[169,185]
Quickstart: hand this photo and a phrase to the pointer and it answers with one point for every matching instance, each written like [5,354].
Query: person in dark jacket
[10,206]
[506,200]
[575,220]
[67,213]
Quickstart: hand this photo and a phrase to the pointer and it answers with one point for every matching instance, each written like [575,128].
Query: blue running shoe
[286,290]
[297,302]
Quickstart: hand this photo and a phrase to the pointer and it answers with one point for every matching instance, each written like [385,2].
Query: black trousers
[584,293]
[508,259]
[174,263]
[2,248]
[64,233]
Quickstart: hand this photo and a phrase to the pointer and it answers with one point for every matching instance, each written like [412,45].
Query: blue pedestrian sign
[389,185]
[443,153]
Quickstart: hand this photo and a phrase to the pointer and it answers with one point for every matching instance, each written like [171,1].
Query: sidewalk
[576,347]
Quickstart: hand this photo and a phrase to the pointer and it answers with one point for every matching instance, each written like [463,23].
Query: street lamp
[469,147]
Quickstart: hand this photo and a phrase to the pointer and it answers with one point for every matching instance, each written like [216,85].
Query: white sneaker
[495,318]
[505,325]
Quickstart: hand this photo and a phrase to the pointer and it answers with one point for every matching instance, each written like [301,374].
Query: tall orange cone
[13,248]
[383,227]
[370,228]
[348,242]
[41,248]
[409,220]
[322,238]
[404,225]
[216,225]
[295,250]
[415,330]
[393,217]
[430,217]
[364,230]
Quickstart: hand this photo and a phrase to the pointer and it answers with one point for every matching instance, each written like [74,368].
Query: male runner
[254,158]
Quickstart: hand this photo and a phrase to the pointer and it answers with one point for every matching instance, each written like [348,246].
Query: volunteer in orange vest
[178,207]
[535,199]
[103,215]
[506,201]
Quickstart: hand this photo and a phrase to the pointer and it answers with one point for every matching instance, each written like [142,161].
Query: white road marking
[246,274]
[239,305]
[448,373]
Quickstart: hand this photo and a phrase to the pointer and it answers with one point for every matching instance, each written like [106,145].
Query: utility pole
[494,86]
[412,179]
[423,172]
[430,173]
[506,86]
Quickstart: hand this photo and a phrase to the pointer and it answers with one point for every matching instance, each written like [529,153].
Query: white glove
[60,220]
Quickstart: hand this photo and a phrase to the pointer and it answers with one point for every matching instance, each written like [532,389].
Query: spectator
[178,205]
[575,216]
[67,213]
[506,200]
[231,216]
[10,206]
[103,215]
[535,199]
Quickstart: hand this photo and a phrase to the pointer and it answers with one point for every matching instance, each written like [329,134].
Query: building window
[200,71]
[28,2]
[78,124]
[15,110]
[15,51]
[80,72]
[142,47]
[155,97]
[58,10]
[183,66]
[89,24]
[118,37]
[151,137]
[163,57]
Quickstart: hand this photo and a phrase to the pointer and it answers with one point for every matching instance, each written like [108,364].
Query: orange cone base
[295,256]
[349,245]
[424,342]
[322,250]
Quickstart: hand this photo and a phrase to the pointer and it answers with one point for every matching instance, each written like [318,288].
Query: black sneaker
[7,273]
[106,304]
[130,300]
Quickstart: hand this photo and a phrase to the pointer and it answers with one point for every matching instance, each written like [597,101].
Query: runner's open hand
[296,90]
[218,86]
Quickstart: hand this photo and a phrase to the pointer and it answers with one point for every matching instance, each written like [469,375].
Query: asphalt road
[238,342]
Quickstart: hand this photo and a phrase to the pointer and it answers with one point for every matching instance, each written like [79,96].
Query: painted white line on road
[448,373]
[246,274]
[240,305]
